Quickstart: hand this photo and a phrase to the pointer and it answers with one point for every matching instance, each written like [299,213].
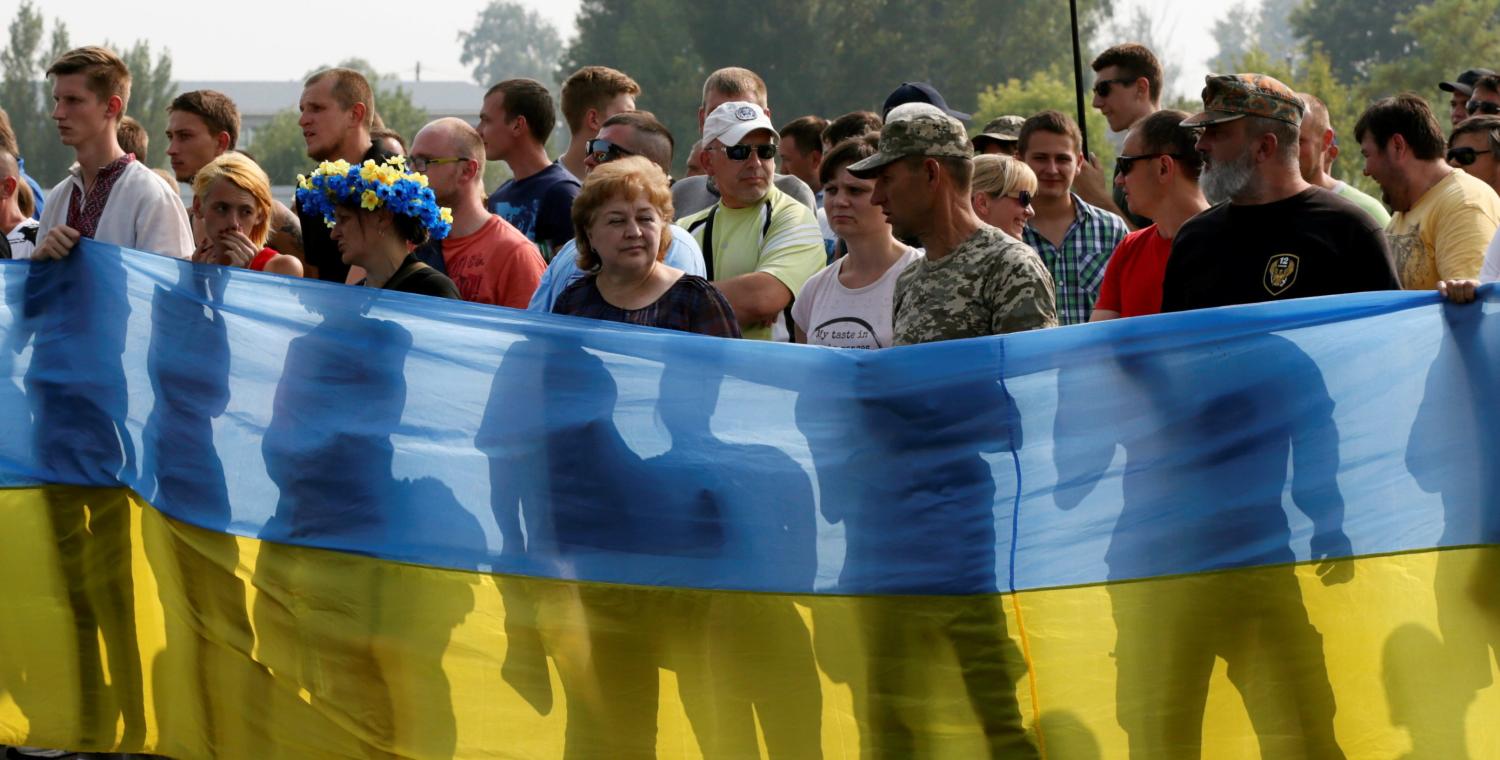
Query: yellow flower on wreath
[369,201]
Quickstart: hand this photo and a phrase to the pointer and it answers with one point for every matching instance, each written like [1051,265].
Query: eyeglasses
[764,151]
[1123,164]
[1022,197]
[1482,106]
[1464,156]
[605,151]
[420,163]
[1102,87]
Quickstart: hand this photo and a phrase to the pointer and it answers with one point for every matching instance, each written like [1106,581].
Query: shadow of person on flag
[1452,450]
[328,449]
[197,677]
[1207,435]
[911,483]
[75,317]
[748,509]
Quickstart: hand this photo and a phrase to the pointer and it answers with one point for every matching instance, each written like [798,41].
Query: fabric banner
[249,516]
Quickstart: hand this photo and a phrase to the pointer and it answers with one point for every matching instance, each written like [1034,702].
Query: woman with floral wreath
[379,213]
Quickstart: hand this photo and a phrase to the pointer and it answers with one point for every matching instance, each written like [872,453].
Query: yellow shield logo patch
[1281,272]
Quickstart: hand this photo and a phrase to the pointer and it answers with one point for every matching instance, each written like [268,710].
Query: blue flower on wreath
[372,185]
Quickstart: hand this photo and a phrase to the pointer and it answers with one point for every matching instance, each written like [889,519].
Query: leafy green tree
[509,41]
[826,57]
[1052,89]
[151,91]
[1450,36]
[27,103]
[279,148]
[1357,35]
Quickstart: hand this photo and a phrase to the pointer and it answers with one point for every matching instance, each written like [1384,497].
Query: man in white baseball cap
[758,243]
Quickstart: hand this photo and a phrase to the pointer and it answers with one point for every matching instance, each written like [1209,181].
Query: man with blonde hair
[337,114]
[693,194]
[107,195]
[487,258]
[589,97]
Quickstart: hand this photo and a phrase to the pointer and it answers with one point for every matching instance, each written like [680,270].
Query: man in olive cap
[1002,135]
[1272,235]
[975,280]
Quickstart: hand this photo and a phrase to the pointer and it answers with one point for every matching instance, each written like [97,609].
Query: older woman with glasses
[1002,192]
[622,218]
[632,133]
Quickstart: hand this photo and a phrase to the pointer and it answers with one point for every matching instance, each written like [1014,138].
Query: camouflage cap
[1004,129]
[916,129]
[1227,97]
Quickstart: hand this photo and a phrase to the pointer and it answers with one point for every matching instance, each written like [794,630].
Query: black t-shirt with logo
[1311,244]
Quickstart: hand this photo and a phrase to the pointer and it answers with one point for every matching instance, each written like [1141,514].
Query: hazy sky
[303,32]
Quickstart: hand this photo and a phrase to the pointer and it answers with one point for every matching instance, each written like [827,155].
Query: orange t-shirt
[494,265]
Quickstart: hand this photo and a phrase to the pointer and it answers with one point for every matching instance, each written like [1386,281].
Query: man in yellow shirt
[1444,219]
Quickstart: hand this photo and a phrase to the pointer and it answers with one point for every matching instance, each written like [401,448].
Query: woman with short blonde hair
[1002,190]
[232,198]
[620,219]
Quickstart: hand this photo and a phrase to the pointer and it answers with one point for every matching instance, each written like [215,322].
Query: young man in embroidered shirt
[1073,238]
[108,196]
[758,243]
[205,124]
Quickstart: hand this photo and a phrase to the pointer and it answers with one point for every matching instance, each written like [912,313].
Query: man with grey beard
[1271,235]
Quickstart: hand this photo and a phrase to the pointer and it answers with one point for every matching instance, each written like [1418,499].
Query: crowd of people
[876,229]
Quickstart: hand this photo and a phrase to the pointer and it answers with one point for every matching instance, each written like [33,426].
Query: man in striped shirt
[759,244]
[1073,238]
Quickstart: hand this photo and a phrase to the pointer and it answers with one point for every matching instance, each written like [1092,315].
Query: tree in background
[509,41]
[151,91]
[826,57]
[27,103]
[1357,35]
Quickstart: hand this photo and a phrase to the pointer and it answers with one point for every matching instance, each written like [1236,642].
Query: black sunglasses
[1102,87]
[1022,197]
[605,151]
[1123,164]
[1482,106]
[765,151]
[1464,156]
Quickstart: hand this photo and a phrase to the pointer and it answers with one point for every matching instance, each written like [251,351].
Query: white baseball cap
[732,121]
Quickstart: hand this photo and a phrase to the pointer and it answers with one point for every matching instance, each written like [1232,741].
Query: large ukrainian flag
[254,517]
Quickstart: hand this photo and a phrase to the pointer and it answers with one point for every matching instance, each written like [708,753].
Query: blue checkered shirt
[1078,265]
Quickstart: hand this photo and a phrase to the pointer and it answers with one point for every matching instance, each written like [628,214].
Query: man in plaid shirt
[1072,237]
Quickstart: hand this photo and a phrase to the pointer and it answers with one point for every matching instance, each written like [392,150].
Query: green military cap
[916,129]
[1232,96]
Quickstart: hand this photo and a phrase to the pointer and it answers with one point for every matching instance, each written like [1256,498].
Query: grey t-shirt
[693,194]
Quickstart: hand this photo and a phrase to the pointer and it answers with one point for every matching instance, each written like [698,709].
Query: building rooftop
[265,98]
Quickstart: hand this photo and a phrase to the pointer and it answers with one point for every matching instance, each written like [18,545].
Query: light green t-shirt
[1362,199]
[778,236]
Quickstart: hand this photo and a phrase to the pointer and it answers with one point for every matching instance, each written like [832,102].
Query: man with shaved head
[1314,143]
[488,259]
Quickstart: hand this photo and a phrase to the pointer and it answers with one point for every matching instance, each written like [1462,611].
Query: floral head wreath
[373,185]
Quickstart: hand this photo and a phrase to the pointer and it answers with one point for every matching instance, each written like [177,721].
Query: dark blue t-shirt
[540,206]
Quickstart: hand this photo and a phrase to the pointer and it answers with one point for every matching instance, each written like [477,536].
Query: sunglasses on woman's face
[764,151]
[1022,197]
[1464,156]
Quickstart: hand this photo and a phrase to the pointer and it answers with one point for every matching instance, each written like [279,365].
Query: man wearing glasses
[759,244]
[1158,171]
[1271,235]
[488,259]
[1485,100]
[1461,89]
[1443,219]
[633,133]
